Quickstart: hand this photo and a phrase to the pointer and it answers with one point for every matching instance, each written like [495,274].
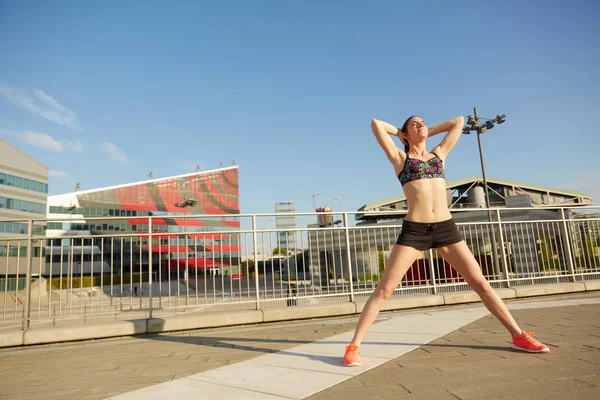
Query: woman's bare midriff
[427,201]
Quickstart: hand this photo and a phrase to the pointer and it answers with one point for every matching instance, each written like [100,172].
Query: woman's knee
[481,287]
[383,293]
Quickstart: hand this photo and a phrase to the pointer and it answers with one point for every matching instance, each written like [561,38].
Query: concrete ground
[437,353]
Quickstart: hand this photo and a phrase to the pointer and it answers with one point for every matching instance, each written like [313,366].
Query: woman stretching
[427,225]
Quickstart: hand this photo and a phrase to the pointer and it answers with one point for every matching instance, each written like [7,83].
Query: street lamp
[473,124]
[186,203]
[482,125]
[70,208]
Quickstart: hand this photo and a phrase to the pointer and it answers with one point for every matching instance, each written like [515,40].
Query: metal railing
[103,275]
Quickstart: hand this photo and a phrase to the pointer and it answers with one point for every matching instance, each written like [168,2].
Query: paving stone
[473,362]
[476,361]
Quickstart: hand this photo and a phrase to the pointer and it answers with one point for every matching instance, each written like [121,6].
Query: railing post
[348,255]
[27,310]
[432,271]
[503,247]
[255,238]
[565,234]
[150,304]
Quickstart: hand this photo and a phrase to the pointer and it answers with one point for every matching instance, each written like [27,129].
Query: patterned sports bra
[416,169]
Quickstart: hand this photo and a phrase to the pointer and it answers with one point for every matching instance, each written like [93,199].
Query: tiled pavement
[475,362]
[469,363]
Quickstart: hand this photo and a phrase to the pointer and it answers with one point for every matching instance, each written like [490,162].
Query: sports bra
[417,169]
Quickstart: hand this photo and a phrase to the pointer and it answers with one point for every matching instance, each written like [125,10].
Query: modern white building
[23,196]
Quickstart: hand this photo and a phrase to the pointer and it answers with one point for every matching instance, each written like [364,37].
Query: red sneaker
[352,356]
[526,342]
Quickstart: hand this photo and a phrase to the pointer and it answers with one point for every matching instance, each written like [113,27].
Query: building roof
[474,179]
[22,153]
[80,192]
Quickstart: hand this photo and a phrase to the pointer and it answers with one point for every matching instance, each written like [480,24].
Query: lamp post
[70,208]
[186,203]
[473,124]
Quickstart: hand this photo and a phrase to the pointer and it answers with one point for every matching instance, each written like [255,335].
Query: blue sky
[105,92]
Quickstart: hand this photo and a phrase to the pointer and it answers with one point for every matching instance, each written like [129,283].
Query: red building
[212,240]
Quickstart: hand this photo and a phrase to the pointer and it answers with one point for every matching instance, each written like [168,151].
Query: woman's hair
[404,129]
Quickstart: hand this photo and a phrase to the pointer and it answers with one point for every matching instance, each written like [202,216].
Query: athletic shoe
[352,356]
[526,342]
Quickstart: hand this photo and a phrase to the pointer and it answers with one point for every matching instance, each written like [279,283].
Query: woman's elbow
[374,124]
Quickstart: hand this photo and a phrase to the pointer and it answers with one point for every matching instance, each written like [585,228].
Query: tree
[547,259]
[280,250]
[588,257]
[247,267]
[381,259]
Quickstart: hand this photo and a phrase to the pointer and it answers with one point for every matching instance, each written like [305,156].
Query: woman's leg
[460,257]
[401,259]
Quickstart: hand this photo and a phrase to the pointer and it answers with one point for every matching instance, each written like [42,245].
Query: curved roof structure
[463,193]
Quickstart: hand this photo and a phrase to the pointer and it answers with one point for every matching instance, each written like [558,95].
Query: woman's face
[416,130]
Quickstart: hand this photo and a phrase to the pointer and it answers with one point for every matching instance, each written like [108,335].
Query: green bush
[369,277]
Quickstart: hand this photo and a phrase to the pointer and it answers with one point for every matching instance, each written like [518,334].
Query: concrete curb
[472,297]
[199,321]
[592,285]
[541,290]
[292,313]
[11,339]
[405,302]
[93,331]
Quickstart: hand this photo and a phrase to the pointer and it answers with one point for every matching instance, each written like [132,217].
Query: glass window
[18,182]
[32,207]
[39,186]
[45,188]
[15,204]
[1,227]
[11,180]
[92,212]
[2,179]
[25,183]
[2,202]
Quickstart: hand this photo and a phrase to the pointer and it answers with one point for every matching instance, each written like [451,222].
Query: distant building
[517,202]
[589,223]
[161,202]
[286,239]
[23,196]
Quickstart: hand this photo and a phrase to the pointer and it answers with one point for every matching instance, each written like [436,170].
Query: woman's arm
[382,131]
[454,128]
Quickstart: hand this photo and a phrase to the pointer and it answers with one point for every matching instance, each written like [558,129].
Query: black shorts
[424,235]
